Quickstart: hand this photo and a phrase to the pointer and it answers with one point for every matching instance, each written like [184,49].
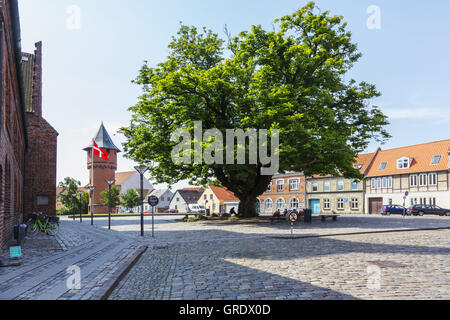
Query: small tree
[131,199]
[69,187]
[115,197]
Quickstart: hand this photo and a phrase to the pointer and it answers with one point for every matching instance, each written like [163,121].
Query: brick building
[101,170]
[13,128]
[41,156]
[286,191]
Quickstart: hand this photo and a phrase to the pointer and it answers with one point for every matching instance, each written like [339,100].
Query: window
[358,166]
[294,204]
[211,197]
[436,160]
[326,186]
[326,204]
[382,166]
[340,204]
[432,179]
[379,183]
[340,185]
[423,179]
[413,180]
[205,197]
[280,204]
[374,183]
[269,188]
[355,185]
[293,184]
[315,186]
[384,182]
[280,185]
[268,204]
[390,182]
[433,201]
[355,204]
[403,163]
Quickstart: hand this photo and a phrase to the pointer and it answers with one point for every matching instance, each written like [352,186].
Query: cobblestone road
[243,261]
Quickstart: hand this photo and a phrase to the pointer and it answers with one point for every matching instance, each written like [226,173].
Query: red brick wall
[12,130]
[41,157]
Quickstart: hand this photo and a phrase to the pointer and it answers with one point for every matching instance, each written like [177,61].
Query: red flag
[99,152]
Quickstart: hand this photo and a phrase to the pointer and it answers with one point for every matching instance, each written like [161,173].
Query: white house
[219,200]
[131,180]
[164,196]
[183,198]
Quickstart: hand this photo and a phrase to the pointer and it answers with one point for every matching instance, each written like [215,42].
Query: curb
[355,233]
[105,290]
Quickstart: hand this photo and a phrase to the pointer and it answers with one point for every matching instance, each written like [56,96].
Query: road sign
[406,193]
[15,252]
[293,217]
[153,201]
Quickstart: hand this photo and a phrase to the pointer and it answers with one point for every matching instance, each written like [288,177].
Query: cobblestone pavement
[43,273]
[242,261]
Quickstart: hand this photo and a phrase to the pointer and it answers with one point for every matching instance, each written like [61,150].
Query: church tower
[101,170]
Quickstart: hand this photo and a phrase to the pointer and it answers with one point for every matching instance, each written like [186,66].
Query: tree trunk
[247,207]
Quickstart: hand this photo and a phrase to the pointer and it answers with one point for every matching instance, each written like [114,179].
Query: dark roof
[190,196]
[27,71]
[103,140]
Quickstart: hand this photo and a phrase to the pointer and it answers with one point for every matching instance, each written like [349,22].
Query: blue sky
[88,71]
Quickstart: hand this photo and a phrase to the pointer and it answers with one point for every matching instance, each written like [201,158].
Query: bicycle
[44,223]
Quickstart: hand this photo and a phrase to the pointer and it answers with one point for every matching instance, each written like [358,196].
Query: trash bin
[20,231]
[308,216]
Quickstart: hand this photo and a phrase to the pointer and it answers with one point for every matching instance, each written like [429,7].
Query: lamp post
[80,193]
[92,189]
[110,183]
[74,195]
[142,170]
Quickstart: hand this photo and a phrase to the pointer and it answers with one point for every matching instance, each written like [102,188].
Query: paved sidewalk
[43,274]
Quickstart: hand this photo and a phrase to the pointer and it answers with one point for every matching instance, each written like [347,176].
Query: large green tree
[69,188]
[131,199]
[292,79]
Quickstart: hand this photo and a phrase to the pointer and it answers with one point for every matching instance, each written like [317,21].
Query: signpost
[293,218]
[404,203]
[153,201]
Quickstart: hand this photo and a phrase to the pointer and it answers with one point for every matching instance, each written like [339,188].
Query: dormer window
[382,166]
[436,160]
[358,166]
[403,163]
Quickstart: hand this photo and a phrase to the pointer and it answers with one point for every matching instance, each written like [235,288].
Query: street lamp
[142,170]
[80,193]
[92,189]
[110,183]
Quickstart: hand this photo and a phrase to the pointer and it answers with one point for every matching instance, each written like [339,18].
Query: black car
[393,209]
[420,210]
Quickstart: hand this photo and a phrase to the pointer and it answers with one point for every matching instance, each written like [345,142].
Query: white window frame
[378,183]
[373,183]
[403,163]
[327,186]
[413,180]
[355,185]
[278,204]
[340,204]
[294,184]
[280,185]
[355,204]
[269,188]
[432,179]
[291,202]
[268,204]
[326,204]
[340,185]
[423,180]
[390,182]
[384,182]
[314,184]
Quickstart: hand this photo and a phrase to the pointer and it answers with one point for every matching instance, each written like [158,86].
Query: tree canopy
[113,200]
[131,199]
[291,79]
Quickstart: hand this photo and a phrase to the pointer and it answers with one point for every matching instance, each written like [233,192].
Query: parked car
[393,209]
[172,211]
[196,208]
[420,210]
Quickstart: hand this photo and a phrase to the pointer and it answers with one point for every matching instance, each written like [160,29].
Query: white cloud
[440,114]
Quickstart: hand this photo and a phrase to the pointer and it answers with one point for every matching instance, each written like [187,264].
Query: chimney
[37,80]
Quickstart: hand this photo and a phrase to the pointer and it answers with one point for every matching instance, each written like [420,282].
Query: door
[375,205]
[314,205]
